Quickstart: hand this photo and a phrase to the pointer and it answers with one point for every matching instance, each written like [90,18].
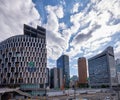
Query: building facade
[63,63]
[48,77]
[56,78]
[82,71]
[23,60]
[117,64]
[102,71]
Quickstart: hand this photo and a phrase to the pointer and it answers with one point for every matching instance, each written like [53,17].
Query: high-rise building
[23,60]
[102,71]
[117,64]
[117,61]
[82,71]
[48,77]
[63,62]
[56,78]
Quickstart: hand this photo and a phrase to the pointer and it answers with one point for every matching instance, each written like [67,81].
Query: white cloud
[51,64]
[15,13]
[62,26]
[57,10]
[95,26]
[97,44]
[74,51]
[91,28]
[52,23]
[75,66]
[117,50]
[56,44]
[75,7]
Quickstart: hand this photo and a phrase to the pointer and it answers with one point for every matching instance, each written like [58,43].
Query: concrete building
[82,71]
[117,63]
[56,78]
[23,60]
[102,71]
[48,77]
[63,62]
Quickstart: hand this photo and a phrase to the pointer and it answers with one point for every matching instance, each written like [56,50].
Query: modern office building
[63,62]
[48,77]
[117,64]
[56,78]
[23,60]
[82,71]
[117,61]
[102,71]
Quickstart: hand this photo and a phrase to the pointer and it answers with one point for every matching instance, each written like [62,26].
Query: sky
[77,28]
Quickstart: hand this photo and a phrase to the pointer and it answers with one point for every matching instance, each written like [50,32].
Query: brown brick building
[82,71]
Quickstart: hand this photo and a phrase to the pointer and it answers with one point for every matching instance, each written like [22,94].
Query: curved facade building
[23,58]
[82,71]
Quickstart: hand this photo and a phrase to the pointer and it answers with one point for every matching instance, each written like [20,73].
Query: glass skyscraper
[63,63]
[102,71]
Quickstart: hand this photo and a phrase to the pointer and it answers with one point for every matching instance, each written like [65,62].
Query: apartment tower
[82,71]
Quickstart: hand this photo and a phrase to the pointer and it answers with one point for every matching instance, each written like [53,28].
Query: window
[6,60]
[10,54]
[22,48]
[8,75]
[16,74]
[5,70]
[9,64]
[28,44]
[12,69]
[13,49]
[4,80]
[16,64]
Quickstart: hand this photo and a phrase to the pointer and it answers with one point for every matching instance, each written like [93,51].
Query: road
[88,94]
[96,96]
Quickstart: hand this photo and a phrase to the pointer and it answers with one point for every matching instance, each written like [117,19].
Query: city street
[96,96]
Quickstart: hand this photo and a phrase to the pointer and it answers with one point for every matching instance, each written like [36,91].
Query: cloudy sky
[74,27]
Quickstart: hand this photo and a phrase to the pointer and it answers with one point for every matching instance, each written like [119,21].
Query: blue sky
[74,27]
